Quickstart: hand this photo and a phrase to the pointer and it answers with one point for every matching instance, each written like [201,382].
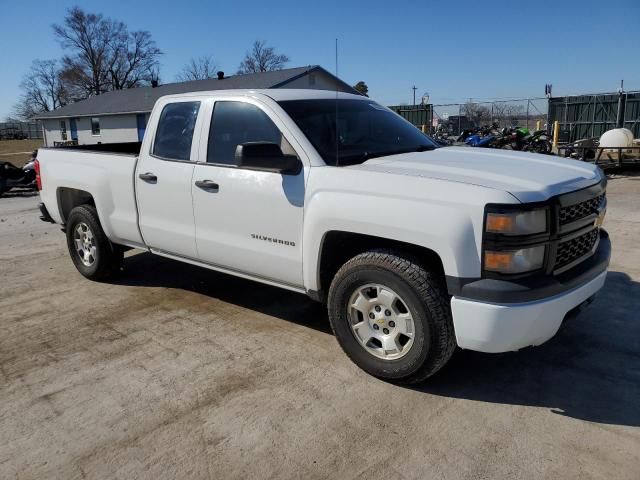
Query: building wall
[113,129]
[316,80]
[51,131]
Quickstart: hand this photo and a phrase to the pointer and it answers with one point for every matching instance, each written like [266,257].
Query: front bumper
[512,323]
[493,328]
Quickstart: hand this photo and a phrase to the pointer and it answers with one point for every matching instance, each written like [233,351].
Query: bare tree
[91,41]
[513,113]
[475,112]
[43,90]
[262,59]
[102,54]
[200,68]
[135,61]
[362,88]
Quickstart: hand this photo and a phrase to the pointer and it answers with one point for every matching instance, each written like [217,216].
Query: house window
[95,126]
[63,129]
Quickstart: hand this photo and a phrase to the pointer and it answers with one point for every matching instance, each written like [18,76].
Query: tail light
[38,178]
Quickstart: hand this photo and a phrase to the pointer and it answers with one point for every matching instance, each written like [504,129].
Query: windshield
[365,130]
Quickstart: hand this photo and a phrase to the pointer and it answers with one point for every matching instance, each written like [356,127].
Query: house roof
[142,99]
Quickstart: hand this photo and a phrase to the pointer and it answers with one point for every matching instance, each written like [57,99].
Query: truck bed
[103,172]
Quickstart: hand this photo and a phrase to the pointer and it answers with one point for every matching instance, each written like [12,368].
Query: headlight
[517,223]
[514,261]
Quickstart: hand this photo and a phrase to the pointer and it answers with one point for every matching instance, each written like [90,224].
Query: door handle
[207,185]
[148,177]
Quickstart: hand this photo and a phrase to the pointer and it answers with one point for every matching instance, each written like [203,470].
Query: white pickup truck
[416,249]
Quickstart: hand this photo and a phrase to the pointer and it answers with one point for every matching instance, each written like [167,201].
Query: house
[121,115]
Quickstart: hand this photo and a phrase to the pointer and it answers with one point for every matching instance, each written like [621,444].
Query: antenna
[336,131]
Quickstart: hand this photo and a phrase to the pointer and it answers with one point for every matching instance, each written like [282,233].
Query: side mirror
[266,156]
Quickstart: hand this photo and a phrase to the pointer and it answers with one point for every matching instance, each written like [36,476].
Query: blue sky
[455,50]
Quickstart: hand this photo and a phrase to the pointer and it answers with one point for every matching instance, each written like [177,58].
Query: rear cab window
[174,134]
[234,123]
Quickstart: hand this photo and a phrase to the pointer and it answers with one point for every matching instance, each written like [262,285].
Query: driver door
[247,220]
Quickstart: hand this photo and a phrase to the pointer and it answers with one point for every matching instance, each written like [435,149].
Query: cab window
[175,130]
[235,123]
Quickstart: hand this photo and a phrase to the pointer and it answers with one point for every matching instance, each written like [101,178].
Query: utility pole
[414,95]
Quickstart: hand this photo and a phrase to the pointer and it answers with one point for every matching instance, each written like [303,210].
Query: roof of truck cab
[142,99]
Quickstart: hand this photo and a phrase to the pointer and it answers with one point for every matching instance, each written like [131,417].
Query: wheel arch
[70,198]
[338,246]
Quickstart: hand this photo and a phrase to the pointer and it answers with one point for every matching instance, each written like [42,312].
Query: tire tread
[429,287]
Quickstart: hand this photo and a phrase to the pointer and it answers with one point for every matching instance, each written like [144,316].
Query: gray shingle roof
[142,99]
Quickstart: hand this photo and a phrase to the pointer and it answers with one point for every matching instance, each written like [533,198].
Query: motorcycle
[480,141]
[522,139]
[16,177]
[486,136]
[538,142]
[441,136]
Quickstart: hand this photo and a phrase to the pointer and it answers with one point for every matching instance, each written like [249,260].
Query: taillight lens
[38,178]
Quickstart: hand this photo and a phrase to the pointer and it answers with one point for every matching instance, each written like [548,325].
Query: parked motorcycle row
[16,177]
[491,136]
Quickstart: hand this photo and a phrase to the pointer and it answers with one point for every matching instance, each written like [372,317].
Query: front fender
[443,228]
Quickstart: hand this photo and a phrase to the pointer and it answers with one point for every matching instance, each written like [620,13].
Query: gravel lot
[178,372]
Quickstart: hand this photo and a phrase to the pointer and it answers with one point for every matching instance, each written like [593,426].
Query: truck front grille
[580,210]
[576,248]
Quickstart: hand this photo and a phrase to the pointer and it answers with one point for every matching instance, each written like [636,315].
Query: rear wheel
[93,254]
[391,316]
[540,146]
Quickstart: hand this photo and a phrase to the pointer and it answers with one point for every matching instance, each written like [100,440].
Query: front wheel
[93,254]
[540,146]
[391,316]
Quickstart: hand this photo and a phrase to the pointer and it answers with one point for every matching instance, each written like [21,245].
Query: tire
[104,259]
[422,296]
[542,146]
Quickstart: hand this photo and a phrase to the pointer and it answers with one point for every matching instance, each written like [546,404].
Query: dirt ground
[179,372]
[17,151]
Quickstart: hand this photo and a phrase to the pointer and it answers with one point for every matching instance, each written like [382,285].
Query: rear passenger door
[248,221]
[163,179]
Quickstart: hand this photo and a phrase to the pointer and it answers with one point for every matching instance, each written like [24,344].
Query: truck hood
[530,177]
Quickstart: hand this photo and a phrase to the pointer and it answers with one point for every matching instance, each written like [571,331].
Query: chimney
[220,75]
[154,83]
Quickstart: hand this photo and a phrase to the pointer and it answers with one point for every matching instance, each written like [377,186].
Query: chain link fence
[454,118]
[20,130]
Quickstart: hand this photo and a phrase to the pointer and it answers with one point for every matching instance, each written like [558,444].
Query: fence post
[556,133]
[621,104]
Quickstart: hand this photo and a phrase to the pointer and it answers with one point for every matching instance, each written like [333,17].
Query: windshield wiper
[424,148]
